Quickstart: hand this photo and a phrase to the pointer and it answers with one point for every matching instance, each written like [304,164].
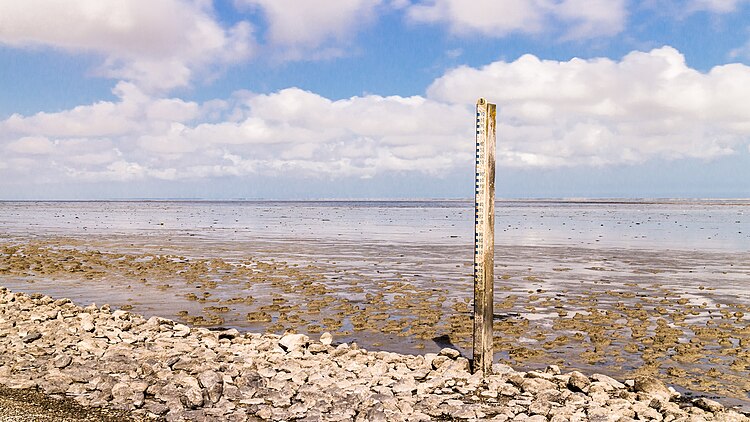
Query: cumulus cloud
[600,111]
[292,130]
[648,105]
[497,18]
[315,28]
[157,45]
[135,112]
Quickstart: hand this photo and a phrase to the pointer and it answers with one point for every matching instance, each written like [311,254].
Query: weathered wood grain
[484,236]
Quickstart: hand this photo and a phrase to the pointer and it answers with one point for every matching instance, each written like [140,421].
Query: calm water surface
[712,225]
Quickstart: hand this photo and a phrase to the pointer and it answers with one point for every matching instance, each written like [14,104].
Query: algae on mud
[591,287]
[602,324]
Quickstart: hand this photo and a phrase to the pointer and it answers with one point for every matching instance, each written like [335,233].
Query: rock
[290,342]
[316,348]
[578,381]
[57,383]
[87,321]
[377,414]
[168,371]
[598,393]
[501,368]
[609,381]
[229,334]
[120,314]
[708,405]
[439,361]
[450,353]
[644,412]
[404,386]
[31,337]
[540,407]
[458,368]
[652,387]
[183,363]
[603,414]
[156,408]
[193,397]
[543,375]
[553,369]
[181,330]
[213,384]
[537,385]
[129,394]
[516,379]
[463,412]
[61,361]
[552,396]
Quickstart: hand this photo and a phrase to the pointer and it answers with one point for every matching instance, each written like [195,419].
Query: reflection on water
[686,225]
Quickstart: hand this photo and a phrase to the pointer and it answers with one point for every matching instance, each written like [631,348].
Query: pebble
[173,372]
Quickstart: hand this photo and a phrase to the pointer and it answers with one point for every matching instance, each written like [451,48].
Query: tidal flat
[620,288]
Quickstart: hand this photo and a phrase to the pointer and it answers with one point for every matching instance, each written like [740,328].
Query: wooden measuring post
[484,236]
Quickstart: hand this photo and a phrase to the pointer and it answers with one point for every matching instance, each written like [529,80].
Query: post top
[481,101]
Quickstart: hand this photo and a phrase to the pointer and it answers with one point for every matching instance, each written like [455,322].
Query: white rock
[608,380]
[450,353]
[87,322]
[181,330]
[326,338]
[194,397]
[291,342]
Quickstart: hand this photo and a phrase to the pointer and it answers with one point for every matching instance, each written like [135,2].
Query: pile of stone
[160,369]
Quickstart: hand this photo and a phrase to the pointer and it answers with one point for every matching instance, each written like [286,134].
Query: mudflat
[623,290]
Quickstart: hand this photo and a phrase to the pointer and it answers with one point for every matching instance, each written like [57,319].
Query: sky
[354,99]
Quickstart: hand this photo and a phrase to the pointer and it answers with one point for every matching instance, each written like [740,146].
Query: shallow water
[676,224]
[397,275]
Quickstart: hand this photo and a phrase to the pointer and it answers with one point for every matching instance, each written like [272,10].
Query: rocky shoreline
[156,368]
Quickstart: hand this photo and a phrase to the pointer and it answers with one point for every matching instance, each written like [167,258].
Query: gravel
[99,359]
[33,406]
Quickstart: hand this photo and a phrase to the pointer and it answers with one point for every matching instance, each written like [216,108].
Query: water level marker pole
[484,237]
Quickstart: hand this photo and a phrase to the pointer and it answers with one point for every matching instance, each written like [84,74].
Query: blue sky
[372,98]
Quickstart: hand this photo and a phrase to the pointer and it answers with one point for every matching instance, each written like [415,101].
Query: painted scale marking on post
[484,236]
[481,145]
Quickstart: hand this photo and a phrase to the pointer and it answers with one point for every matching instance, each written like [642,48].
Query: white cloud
[31,145]
[139,136]
[135,112]
[601,111]
[715,6]
[648,105]
[314,29]
[592,18]
[158,45]
[498,18]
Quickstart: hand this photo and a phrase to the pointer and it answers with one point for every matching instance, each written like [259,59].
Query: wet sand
[678,313]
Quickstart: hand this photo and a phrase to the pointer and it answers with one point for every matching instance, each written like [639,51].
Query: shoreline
[157,368]
[622,313]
